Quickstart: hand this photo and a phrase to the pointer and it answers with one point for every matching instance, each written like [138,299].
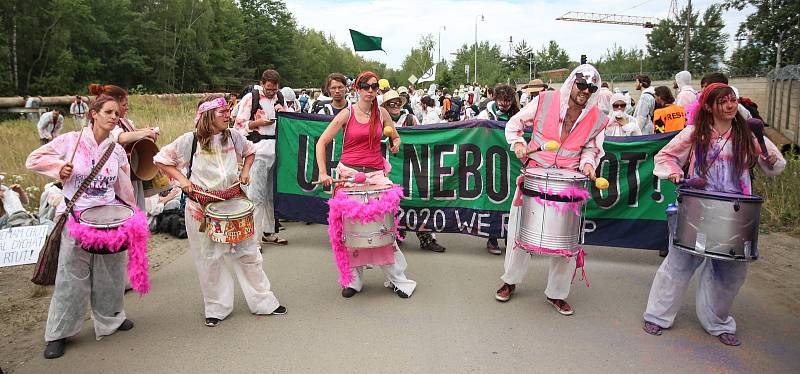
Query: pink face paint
[729,98]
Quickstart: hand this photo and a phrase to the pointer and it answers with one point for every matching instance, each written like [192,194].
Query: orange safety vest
[669,118]
[546,127]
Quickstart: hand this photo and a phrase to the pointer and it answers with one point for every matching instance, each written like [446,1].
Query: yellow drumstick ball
[601,183]
[551,145]
[388,131]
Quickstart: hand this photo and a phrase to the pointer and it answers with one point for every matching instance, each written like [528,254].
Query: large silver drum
[718,225]
[379,233]
[548,222]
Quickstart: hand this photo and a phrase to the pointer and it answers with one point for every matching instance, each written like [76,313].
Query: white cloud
[401,23]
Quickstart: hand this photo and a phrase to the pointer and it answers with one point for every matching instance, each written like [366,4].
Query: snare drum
[108,217]
[548,222]
[379,233]
[229,221]
[718,225]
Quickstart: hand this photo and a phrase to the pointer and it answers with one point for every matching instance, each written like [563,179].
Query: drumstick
[344,180]
[208,195]
[76,146]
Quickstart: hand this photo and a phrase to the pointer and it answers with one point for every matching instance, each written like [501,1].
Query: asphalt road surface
[452,323]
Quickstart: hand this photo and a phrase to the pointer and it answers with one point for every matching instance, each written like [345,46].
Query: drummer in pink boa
[723,161]
[215,168]
[83,277]
[363,125]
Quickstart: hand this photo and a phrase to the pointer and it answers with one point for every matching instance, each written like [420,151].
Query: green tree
[667,41]
[618,60]
[771,29]
[418,60]
[552,56]
[490,63]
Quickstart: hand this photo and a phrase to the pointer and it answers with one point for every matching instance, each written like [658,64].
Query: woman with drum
[362,162]
[720,150]
[126,133]
[211,156]
[82,276]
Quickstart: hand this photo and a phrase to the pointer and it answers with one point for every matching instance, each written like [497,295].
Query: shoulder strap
[90,178]
[191,155]
[255,103]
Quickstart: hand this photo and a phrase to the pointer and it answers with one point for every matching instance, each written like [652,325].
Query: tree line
[58,46]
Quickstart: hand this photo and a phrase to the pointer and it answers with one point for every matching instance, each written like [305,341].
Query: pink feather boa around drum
[340,207]
[133,235]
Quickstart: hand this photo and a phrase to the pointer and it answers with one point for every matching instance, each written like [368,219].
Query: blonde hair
[205,127]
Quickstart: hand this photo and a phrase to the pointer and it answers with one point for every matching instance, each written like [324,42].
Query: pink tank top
[356,150]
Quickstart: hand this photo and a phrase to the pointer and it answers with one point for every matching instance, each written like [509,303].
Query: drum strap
[561,199]
[189,172]
[89,179]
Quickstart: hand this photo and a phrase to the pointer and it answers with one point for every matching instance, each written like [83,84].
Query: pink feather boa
[341,207]
[133,234]
[561,207]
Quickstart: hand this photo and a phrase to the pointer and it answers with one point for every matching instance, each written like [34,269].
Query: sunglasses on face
[620,106]
[583,86]
[366,86]
[393,104]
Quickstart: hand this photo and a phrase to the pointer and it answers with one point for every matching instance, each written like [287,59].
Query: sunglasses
[583,86]
[618,106]
[393,104]
[366,86]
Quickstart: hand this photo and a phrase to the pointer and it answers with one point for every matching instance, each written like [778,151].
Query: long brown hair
[375,120]
[744,150]
[205,127]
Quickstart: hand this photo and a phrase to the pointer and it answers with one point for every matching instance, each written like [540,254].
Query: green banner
[459,177]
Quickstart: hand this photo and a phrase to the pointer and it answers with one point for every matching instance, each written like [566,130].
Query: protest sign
[21,245]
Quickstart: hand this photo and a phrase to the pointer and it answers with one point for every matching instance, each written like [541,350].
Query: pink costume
[216,169]
[358,140]
[720,280]
[582,147]
[83,276]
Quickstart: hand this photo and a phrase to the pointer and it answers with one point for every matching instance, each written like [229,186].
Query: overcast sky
[401,23]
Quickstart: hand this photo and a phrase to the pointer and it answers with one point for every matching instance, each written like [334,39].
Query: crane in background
[646,22]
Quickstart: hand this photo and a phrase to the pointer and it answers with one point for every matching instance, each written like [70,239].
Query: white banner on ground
[21,245]
[429,75]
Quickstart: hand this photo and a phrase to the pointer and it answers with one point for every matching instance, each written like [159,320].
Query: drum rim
[380,188]
[105,225]
[576,178]
[247,212]
[712,255]
[711,195]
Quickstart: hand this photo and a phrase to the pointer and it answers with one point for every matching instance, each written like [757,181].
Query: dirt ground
[23,305]
[25,314]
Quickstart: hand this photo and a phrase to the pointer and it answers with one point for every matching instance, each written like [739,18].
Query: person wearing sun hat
[531,90]
[393,103]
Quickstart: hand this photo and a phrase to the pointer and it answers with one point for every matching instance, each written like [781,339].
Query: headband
[209,105]
[707,91]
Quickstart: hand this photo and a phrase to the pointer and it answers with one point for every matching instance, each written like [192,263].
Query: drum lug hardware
[736,206]
[369,240]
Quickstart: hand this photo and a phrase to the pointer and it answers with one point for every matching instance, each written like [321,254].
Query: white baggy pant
[82,277]
[719,283]
[562,269]
[259,191]
[216,282]
[394,275]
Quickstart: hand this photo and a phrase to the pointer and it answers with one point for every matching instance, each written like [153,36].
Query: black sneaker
[126,325]
[434,246]
[212,322]
[348,292]
[400,293]
[55,349]
[279,311]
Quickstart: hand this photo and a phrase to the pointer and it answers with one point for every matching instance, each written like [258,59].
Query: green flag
[362,42]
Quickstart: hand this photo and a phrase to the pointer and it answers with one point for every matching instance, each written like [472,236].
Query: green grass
[781,209]
[173,116]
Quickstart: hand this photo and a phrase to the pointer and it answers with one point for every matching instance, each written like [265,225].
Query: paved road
[452,324]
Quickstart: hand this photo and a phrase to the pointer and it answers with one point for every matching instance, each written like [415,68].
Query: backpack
[257,98]
[320,105]
[455,109]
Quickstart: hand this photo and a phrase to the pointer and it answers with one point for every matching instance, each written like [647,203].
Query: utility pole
[688,36]
[440,43]
[475,68]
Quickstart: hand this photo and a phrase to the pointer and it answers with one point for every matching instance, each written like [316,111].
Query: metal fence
[783,101]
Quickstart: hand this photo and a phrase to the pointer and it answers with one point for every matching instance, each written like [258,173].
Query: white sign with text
[21,245]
